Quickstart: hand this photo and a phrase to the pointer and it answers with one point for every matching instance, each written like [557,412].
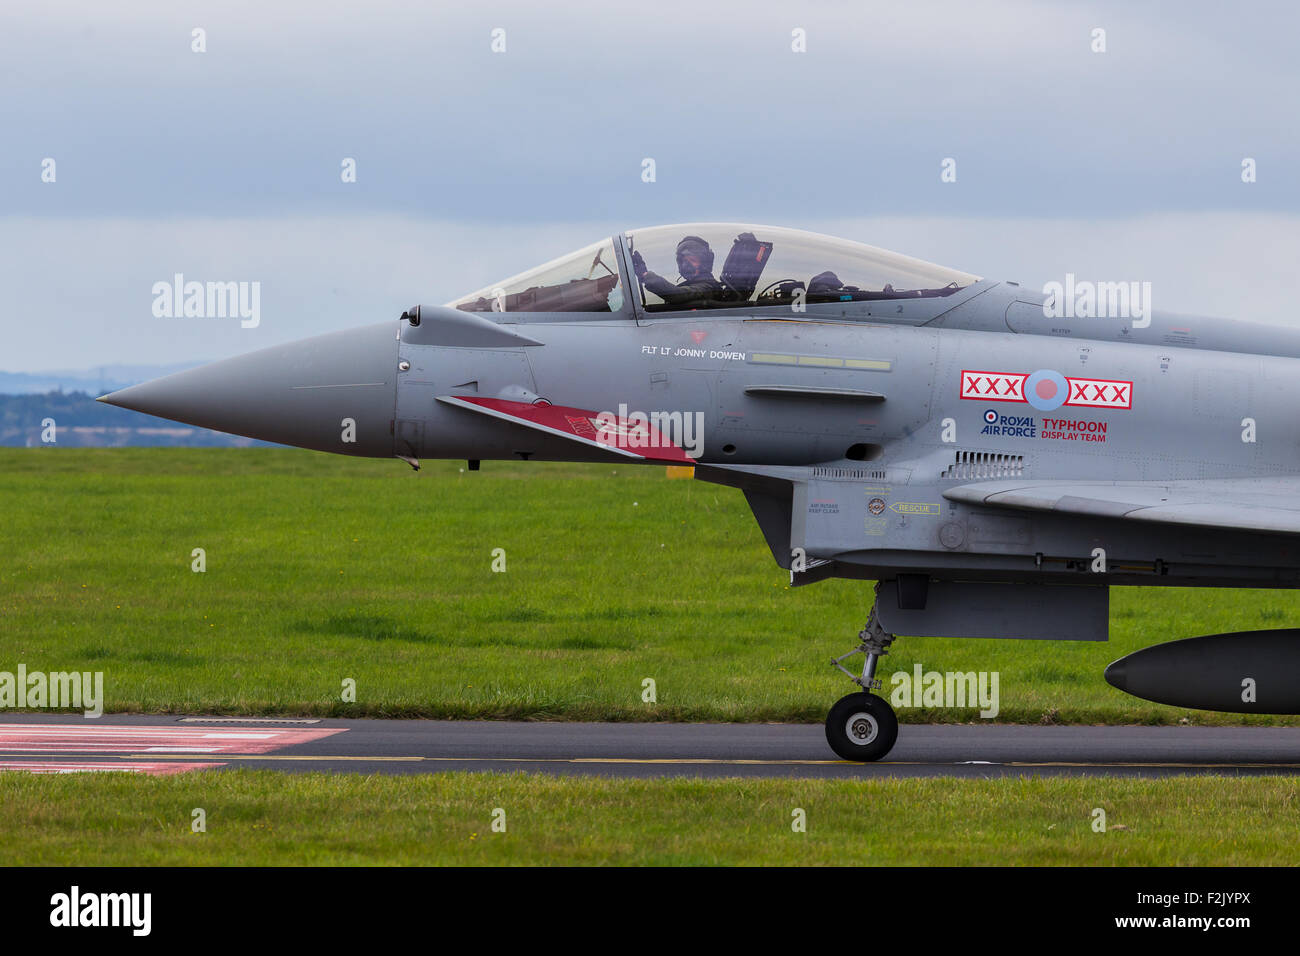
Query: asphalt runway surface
[60,743]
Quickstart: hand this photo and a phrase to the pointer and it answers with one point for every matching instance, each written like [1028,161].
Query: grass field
[268,818]
[321,568]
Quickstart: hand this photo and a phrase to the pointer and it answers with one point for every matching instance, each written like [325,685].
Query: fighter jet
[994,457]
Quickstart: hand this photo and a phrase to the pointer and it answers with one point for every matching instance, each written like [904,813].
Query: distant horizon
[94,379]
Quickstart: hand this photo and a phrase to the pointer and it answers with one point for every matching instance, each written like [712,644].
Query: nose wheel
[863,726]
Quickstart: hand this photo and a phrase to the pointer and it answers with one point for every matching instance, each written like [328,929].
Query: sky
[472,164]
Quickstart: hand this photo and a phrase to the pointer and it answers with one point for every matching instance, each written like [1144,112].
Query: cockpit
[699,266]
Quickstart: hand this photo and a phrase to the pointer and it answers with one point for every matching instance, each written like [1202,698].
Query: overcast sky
[472,165]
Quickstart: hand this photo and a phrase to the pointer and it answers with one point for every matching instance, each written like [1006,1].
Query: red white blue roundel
[1046,390]
[991,417]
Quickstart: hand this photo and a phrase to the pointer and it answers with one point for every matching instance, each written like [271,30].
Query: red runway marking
[89,766]
[95,739]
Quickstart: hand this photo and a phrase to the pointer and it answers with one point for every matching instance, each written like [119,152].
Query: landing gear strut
[863,726]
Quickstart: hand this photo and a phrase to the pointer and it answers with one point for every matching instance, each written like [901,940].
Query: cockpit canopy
[583,281]
[716,266]
[728,266]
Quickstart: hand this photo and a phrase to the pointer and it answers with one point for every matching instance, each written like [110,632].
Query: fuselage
[845,415]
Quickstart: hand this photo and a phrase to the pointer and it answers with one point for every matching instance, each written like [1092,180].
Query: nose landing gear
[863,726]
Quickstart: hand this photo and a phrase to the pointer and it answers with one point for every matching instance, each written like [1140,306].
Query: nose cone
[305,393]
[1116,674]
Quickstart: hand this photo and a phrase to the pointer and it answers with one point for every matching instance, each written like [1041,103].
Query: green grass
[321,568]
[268,818]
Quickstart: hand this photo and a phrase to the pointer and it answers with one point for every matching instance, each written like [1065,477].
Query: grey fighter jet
[994,457]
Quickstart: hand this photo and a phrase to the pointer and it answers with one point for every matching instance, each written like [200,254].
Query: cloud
[555,128]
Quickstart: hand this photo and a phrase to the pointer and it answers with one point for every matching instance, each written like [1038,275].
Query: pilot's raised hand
[638,265]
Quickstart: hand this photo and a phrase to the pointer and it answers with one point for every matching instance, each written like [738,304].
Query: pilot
[825,283]
[695,264]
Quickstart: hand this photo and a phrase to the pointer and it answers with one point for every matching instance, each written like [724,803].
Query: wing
[1241,504]
[633,439]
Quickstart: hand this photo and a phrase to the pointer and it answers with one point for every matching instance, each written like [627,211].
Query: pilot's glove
[638,265]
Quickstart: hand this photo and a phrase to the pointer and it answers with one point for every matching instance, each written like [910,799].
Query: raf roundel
[991,417]
[1046,390]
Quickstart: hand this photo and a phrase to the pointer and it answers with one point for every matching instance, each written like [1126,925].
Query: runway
[56,743]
